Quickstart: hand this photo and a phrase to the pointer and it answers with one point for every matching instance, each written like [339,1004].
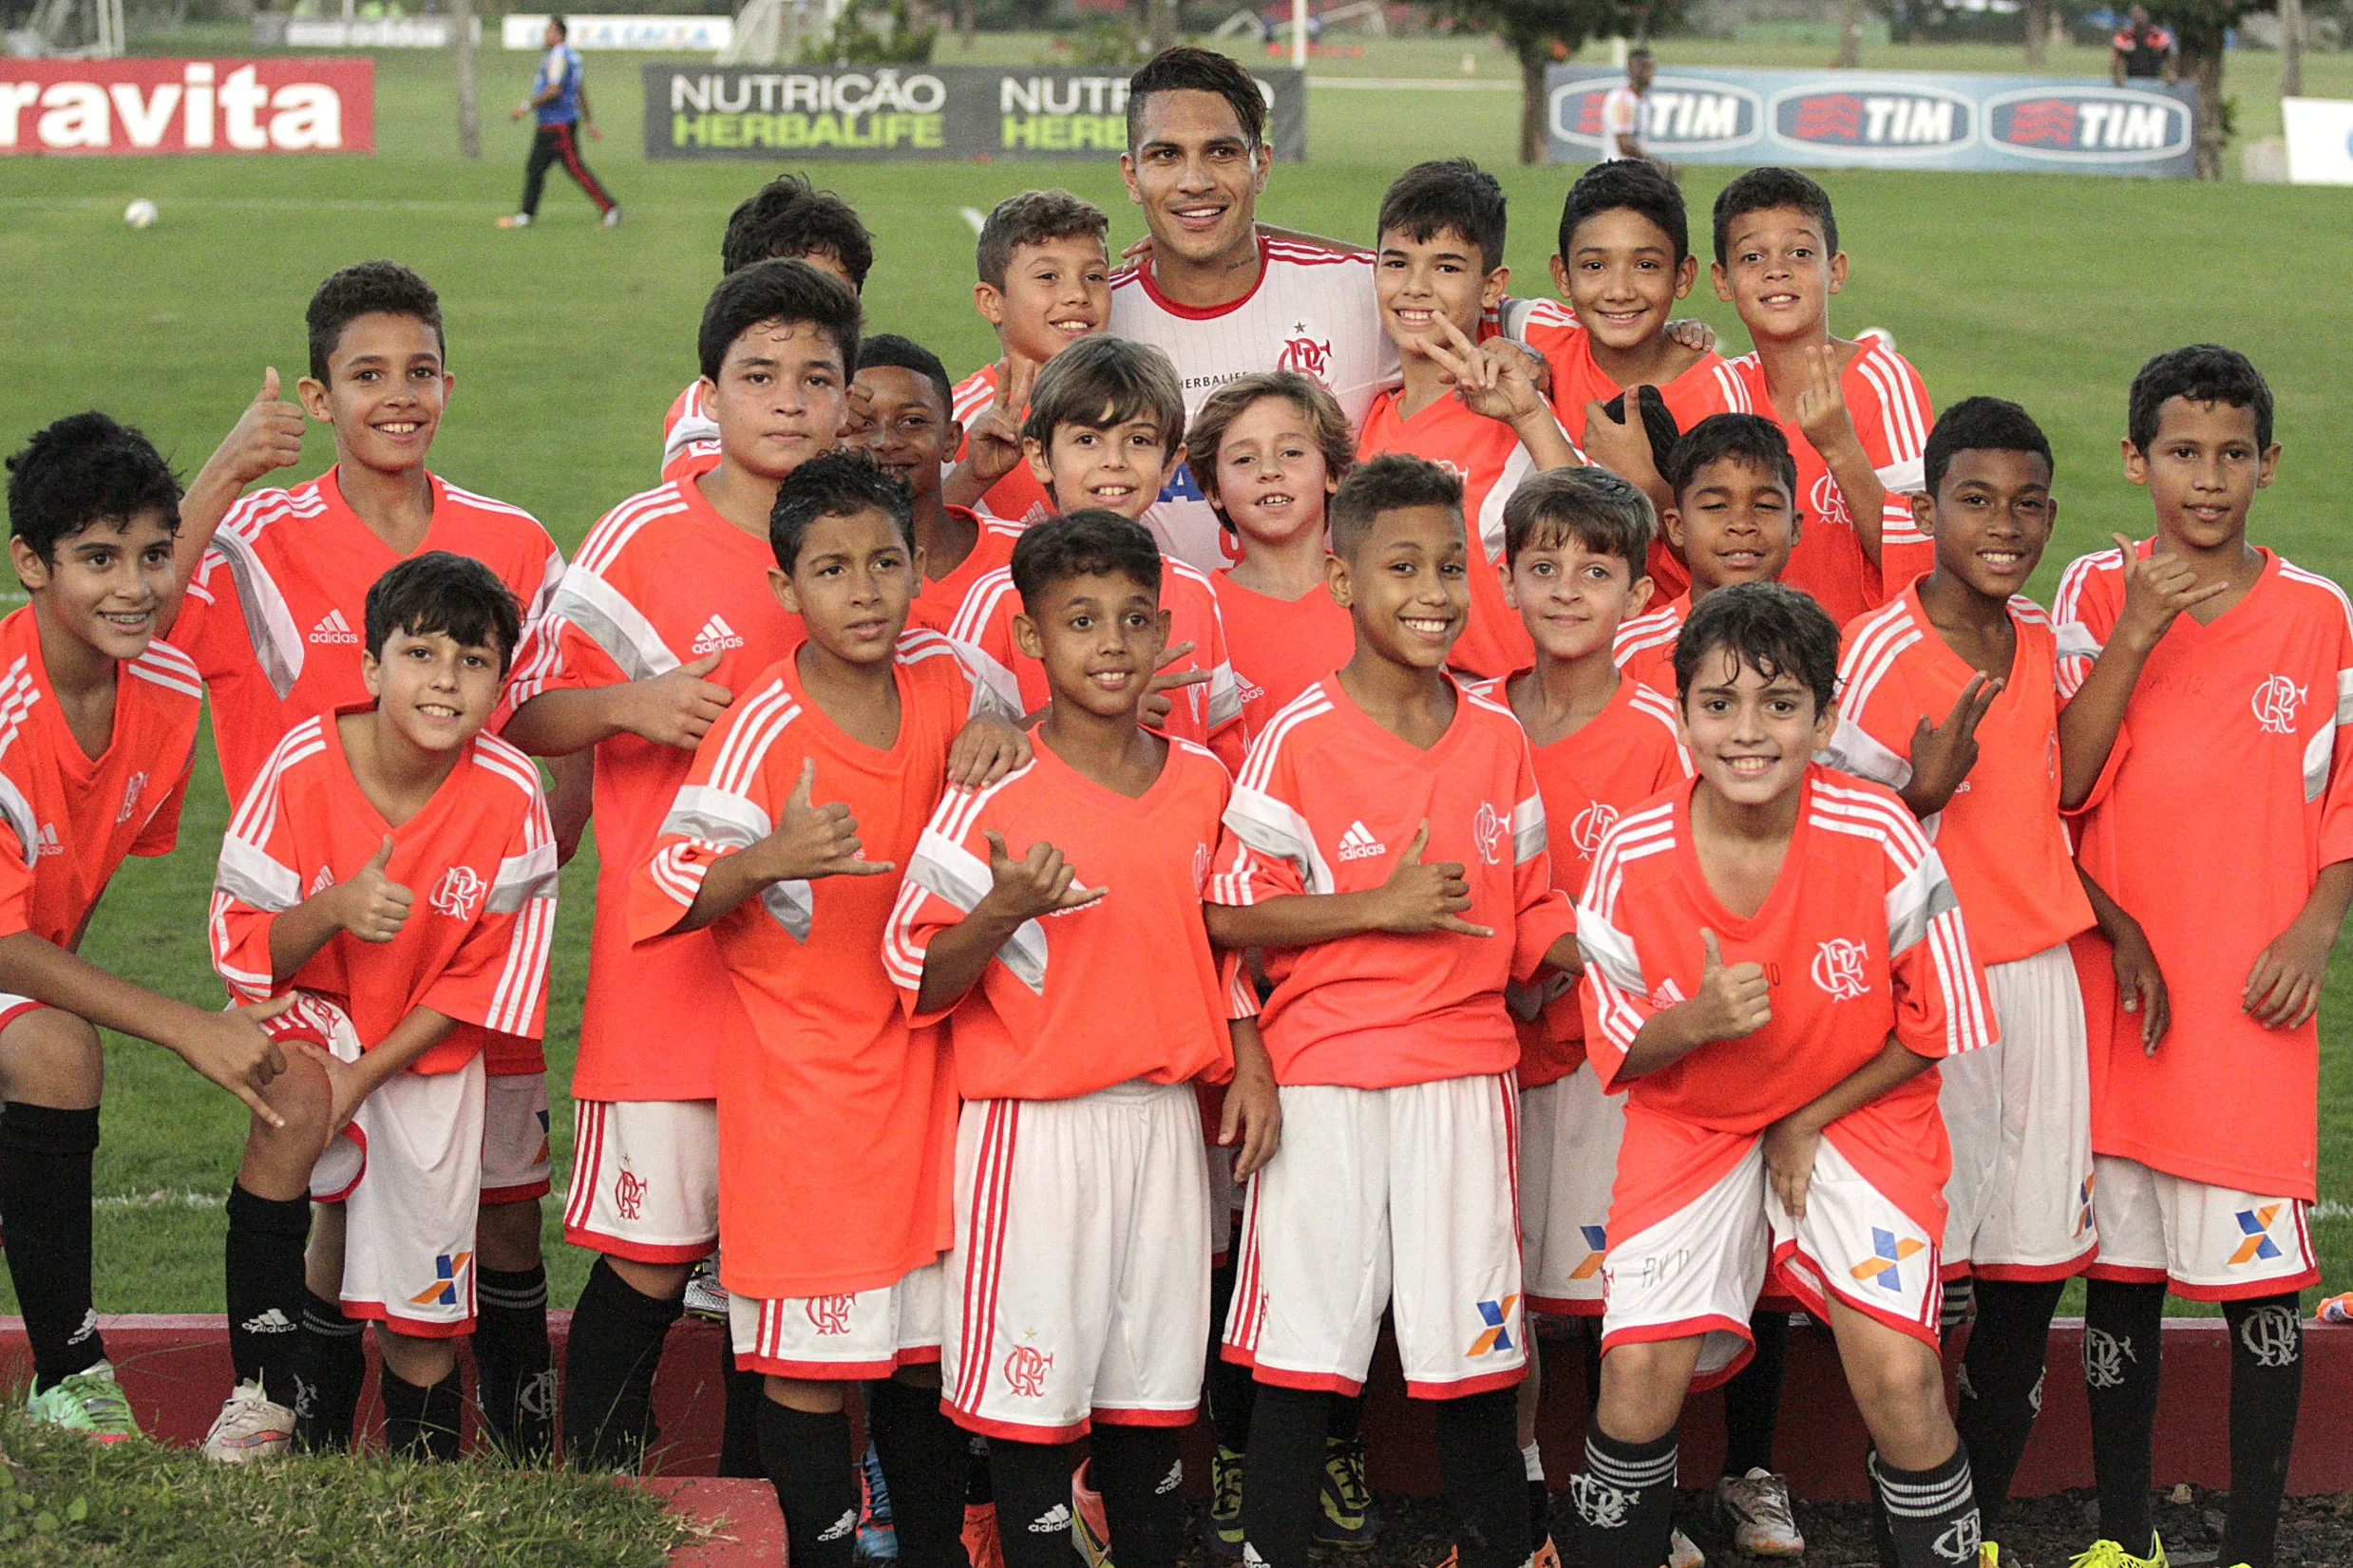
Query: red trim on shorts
[1243,1318]
[1563,1306]
[2253,1289]
[1951,1272]
[2037,1273]
[1112,1415]
[1924,1330]
[815,1372]
[1014,1430]
[1330,1383]
[2118,1274]
[992,1180]
[1690,1328]
[415,1328]
[918,1356]
[639,1252]
[18,1009]
[1465,1387]
[359,1135]
[588,1151]
[493,1196]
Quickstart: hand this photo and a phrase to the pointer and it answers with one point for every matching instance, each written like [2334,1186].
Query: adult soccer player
[559,101]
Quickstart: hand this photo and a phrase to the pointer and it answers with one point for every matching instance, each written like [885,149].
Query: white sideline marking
[973,216]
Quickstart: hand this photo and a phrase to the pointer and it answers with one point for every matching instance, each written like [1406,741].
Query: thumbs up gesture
[267,437]
[373,906]
[1425,897]
[813,840]
[1733,999]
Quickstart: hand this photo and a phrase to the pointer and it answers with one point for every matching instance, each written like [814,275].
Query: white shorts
[514,1139]
[13,1007]
[871,1334]
[2019,1114]
[2205,1243]
[1698,1271]
[645,1179]
[1569,1133]
[1081,1267]
[1402,1197]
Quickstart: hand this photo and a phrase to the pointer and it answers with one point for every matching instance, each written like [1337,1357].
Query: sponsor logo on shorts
[1597,1243]
[2083,1206]
[458,892]
[2276,701]
[1358,843]
[541,1158]
[1889,1253]
[1026,1367]
[1498,1316]
[828,1314]
[2255,1224]
[1838,969]
[448,1270]
[628,1194]
[1487,831]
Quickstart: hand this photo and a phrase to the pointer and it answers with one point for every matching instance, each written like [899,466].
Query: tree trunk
[2037,32]
[1535,55]
[1160,21]
[2291,48]
[965,15]
[2201,62]
[469,101]
[1849,34]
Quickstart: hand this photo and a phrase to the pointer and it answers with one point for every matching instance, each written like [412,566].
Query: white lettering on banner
[851,92]
[661,34]
[136,106]
[1694,115]
[1062,95]
[1906,120]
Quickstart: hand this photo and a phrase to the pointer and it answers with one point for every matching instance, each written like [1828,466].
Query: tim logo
[1687,112]
[1838,969]
[448,1270]
[2110,126]
[458,892]
[1587,829]
[1828,504]
[131,791]
[1897,119]
[628,1194]
[1487,829]
[1889,1253]
[1308,355]
[1026,1367]
[2276,701]
[829,1315]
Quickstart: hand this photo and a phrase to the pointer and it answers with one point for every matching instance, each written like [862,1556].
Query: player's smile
[1195,174]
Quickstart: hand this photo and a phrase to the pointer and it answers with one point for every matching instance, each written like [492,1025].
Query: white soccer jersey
[1621,115]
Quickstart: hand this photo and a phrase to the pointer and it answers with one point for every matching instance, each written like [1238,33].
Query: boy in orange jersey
[1081,1261]
[831,1264]
[2207,750]
[1735,520]
[666,612]
[1106,428]
[97,732]
[1774,963]
[273,620]
[1045,282]
[1388,1025]
[393,870]
[906,424]
[1855,413]
[1471,406]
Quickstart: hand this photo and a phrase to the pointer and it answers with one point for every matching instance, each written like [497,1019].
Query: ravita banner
[1887,120]
[145,106]
[914,111]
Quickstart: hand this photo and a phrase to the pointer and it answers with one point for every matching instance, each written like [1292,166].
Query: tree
[1541,31]
[469,99]
[2200,27]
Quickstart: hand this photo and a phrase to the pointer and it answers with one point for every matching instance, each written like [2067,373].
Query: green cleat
[2107,1554]
[88,1402]
[1221,1523]
[1344,1513]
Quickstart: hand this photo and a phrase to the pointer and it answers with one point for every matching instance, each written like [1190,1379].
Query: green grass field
[568,342]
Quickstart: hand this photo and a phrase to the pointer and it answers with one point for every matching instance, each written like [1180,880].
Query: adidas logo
[1359,842]
[88,1327]
[1054,1518]
[49,842]
[1251,690]
[332,628]
[714,635]
[271,1321]
[841,1526]
[1169,1483]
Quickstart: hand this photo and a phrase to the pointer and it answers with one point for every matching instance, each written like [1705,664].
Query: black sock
[327,1398]
[805,1456]
[514,1366]
[2267,1388]
[979,1490]
[1032,1483]
[1486,1479]
[421,1423]
[608,1372]
[1141,1480]
[1960,1297]
[1287,1431]
[1229,1388]
[2002,1382]
[2121,1361]
[1347,1417]
[45,1213]
[739,1420]
[1626,1501]
[922,1454]
[1753,1396]
[1538,1495]
[265,1289]
[1932,1512]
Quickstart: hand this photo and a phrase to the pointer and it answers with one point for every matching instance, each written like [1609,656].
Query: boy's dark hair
[1768,626]
[1104,381]
[777,290]
[788,218]
[1326,421]
[1982,425]
[1605,515]
[368,287]
[1640,51]
[1447,193]
[81,470]
[1185,69]
[1033,218]
[906,354]
[1389,483]
[1089,542]
[1752,438]
[1650,407]
[2203,372]
[564,29]
[840,483]
[1638,186]
[1761,190]
[440,591]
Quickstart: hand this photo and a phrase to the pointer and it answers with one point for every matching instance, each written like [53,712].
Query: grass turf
[568,342]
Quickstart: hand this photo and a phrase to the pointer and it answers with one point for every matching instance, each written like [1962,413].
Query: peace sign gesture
[1943,753]
[1491,379]
[992,442]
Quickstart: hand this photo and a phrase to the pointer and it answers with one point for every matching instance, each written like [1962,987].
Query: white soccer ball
[139,214]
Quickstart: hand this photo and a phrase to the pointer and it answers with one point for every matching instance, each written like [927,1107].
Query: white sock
[1534,1458]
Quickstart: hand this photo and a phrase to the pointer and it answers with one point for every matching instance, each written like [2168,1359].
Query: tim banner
[2320,139]
[927,111]
[274,105]
[1887,120]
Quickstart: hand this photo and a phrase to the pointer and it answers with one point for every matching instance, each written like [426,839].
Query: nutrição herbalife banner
[1887,120]
[914,111]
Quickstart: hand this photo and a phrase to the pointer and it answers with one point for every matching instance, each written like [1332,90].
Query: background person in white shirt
[1621,111]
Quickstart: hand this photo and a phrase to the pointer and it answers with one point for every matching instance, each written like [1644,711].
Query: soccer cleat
[87,1402]
[1345,1517]
[1756,1515]
[515,220]
[1221,1523]
[705,1297]
[2108,1553]
[1682,1553]
[878,1534]
[610,219]
[1546,1555]
[251,1426]
[1091,1531]
[981,1547]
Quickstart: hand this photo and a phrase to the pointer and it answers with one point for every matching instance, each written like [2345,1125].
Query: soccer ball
[139,214]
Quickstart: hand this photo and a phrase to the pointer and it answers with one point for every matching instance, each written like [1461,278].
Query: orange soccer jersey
[480,858]
[837,1119]
[2000,836]
[2226,793]
[1199,711]
[68,818]
[1126,987]
[1861,938]
[661,580]
[1016,497]
[1281,647]
[1327,802]
[1645,648]
[690,436]
[1621,756]
[940,600]
[1888,403]
[1487,456]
